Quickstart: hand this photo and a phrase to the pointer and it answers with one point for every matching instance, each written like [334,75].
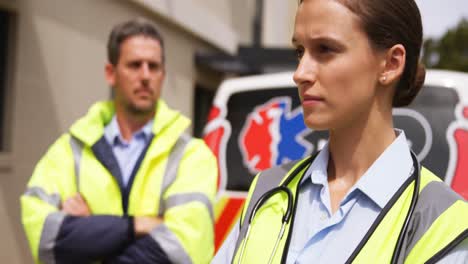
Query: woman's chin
[316,125]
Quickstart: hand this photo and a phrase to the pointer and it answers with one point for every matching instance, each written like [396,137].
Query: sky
[440,15]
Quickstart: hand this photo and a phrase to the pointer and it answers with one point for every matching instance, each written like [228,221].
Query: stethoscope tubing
[287,215]
[414,199]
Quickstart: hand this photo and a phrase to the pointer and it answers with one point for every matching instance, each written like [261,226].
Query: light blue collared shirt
[322,237]
[127,153]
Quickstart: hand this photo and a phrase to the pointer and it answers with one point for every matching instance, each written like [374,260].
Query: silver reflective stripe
[184,198]
[77,148]
[170,245]
[52,199]
[49,235]
[433,201]
[170,174]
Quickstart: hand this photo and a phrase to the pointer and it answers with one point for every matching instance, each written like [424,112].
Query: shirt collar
[382,180]
[113,135]
[317,171]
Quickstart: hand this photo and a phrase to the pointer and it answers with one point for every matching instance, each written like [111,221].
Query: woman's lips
[311,100]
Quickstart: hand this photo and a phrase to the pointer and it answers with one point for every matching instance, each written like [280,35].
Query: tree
[450,51]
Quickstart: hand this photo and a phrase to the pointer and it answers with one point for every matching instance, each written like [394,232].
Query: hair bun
[420,76]
[408,88]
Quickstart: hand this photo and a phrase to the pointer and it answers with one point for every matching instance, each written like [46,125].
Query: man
[125,184]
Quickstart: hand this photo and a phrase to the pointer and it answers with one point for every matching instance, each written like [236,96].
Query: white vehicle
[256,123]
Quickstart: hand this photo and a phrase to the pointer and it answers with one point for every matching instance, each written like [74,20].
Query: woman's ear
[394,65]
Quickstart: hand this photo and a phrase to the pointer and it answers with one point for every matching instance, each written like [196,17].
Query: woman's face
[338,70]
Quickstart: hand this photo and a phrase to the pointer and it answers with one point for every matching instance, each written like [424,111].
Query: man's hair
[127,29]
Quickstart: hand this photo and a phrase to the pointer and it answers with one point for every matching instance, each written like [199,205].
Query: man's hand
[144,224]
[76,206]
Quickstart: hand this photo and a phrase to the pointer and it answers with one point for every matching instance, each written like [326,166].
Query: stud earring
[383,79]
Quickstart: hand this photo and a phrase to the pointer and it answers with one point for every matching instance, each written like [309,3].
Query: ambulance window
[426,122]
[437,96]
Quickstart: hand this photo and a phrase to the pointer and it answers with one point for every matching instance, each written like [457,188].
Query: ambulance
[256,122]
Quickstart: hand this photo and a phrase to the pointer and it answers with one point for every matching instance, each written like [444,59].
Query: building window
[6,51]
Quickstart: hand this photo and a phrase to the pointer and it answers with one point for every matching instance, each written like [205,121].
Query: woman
[363,198]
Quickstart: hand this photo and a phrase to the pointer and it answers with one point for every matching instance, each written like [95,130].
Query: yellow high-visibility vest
[176,180]
[437,226]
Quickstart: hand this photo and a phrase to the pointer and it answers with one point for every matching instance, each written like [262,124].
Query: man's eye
[135,65]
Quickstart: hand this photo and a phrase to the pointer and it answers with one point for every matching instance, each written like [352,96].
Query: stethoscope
[283,188]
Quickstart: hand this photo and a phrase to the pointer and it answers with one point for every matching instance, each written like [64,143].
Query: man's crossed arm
[84,237]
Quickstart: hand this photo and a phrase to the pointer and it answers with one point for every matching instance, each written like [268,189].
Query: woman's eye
[299,53]
[325,49]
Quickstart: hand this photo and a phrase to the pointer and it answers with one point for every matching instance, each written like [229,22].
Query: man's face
[138,76]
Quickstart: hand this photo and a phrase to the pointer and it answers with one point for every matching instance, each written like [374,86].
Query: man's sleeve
[187,233]
[143,251]
[55,237]
[87,239]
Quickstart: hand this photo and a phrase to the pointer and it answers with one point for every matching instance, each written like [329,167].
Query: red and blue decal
[272,135]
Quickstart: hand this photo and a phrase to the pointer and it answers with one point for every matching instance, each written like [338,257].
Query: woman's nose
[305,71]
